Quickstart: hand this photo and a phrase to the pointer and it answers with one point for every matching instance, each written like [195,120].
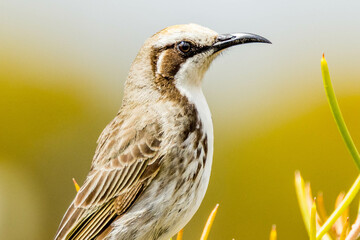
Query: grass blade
[335,109]
[209,223]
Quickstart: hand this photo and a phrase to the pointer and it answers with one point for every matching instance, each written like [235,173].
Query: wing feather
[126,160]
[95,223]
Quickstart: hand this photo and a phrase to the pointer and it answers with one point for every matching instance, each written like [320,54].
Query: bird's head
[178,56]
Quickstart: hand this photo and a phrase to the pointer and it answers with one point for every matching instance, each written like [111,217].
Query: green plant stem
[340,209]
[335,109]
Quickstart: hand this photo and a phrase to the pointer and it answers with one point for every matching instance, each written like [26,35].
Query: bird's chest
[192,146]
[189,163]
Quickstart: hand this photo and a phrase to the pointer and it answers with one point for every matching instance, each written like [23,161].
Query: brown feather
[113,185]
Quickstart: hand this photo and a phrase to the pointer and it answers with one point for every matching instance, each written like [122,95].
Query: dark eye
[184,46]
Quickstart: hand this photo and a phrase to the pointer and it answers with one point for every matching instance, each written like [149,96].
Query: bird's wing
[125,162]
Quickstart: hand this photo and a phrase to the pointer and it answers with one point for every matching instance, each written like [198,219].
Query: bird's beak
[228,40]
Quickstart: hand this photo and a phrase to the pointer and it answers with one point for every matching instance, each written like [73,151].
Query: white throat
[194,94]
[190,87]
[188,81]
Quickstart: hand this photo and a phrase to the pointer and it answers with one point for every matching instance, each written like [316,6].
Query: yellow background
[62,68]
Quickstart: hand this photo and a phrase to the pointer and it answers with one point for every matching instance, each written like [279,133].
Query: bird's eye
[184,47]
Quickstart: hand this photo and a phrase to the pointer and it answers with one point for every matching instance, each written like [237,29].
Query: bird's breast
[190,163]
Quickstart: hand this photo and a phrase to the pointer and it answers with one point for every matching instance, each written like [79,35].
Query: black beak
[228,40]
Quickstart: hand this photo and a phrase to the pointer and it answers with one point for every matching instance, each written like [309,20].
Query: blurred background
[62,69]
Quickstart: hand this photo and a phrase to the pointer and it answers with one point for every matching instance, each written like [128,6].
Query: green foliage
[338,227]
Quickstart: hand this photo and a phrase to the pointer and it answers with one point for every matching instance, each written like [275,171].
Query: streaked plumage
[152,165]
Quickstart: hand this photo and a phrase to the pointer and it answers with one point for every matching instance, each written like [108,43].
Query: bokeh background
[62,69]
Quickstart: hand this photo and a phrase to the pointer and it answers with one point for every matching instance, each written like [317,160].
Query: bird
[152,164]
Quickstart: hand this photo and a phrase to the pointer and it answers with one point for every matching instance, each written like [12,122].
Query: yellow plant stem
[180,235]
[335,109]
[77,187]
[340,209]
[345,229]
[273,233]
[209,223]
[313,222]
[300,193]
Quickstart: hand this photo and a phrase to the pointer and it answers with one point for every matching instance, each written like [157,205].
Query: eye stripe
[160,62]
